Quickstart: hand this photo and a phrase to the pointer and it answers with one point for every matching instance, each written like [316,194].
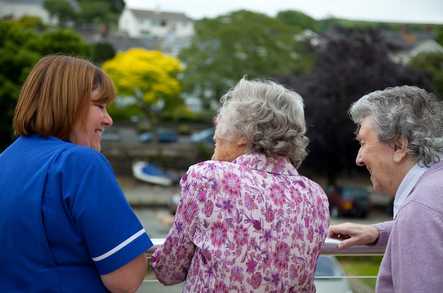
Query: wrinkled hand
[353,234]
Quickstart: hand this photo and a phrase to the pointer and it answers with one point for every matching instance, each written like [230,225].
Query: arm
[356,234]
[114,237]
[127,278]
[171,261]
[384,231]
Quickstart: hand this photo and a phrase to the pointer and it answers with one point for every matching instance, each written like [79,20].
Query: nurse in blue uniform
[65,225]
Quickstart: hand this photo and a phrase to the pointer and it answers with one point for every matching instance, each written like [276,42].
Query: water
[156,221]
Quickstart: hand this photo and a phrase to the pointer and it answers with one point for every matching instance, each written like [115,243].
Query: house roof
[160,15]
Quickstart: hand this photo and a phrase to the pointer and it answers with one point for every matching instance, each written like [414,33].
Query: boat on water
[150,173]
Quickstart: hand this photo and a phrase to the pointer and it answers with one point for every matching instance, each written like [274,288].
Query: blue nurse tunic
[64,220]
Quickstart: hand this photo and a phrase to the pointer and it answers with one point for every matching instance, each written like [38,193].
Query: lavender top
[413,261]
[253,224]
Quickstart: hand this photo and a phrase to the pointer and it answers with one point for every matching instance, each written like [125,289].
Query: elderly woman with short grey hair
[247,220]
[400,131]
[405,111]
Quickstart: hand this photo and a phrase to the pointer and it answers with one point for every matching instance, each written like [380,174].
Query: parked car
[348,201]
[163,136]
[203,136]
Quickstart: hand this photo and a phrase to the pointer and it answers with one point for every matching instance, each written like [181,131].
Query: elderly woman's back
[246,221]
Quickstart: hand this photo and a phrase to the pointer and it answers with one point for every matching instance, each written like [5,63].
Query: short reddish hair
[57,93]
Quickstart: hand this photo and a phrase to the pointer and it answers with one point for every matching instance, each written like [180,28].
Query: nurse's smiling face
[89,132]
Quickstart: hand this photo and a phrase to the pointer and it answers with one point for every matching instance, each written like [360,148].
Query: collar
[407,185]
[274,165]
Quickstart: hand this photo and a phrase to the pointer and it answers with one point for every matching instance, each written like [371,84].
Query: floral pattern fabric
[251,225]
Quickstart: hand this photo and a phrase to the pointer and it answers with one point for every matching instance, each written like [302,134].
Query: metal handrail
[329,248]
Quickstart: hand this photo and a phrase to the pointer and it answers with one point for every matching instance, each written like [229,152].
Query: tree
[439,37]
[15,63]
[60,41]
[298,20]
[95,12]
[352,63]
[431,63]
[62,10]
[100,12]
[150,77]
[21,46]
[102,51]
[227,47]
[31,22]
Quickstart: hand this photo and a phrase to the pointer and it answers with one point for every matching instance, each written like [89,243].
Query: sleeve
[113,234]
[385,230]
[416,250]
[172,260]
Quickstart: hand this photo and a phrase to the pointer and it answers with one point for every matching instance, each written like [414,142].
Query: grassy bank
[361,266]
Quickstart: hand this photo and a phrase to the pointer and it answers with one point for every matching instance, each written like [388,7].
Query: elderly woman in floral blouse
[247,220]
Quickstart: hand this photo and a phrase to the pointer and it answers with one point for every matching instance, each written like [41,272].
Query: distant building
[405,45]
[149,23]
[427,46]
[18,8]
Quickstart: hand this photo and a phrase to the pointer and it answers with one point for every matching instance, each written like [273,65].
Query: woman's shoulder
[80,158]
[309,184]
[209,172]
[81,153]
[212,167]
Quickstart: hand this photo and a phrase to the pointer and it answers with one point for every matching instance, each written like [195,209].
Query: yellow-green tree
[150,77]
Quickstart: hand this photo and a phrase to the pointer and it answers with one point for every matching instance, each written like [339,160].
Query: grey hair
[409,112]
[268,115]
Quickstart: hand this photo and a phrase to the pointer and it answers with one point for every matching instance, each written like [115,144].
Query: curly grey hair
[405,111]
[268,115]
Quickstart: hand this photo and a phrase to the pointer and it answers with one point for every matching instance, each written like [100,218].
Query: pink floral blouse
[253,224]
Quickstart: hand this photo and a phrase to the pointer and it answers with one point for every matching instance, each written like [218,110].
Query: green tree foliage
[333,22]
[298,20]
[60,9]
[117,5]
[31,22]
[431,63]
[352,63]
[15,63]
[60,41]
[439,37]
[21,45]
[105,12]
[102,51]
[96,12]
[241,43]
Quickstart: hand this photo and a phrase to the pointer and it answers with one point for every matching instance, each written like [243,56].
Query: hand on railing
[352,234]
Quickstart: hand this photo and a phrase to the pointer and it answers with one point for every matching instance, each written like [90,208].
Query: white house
[150,23]
[18,8]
